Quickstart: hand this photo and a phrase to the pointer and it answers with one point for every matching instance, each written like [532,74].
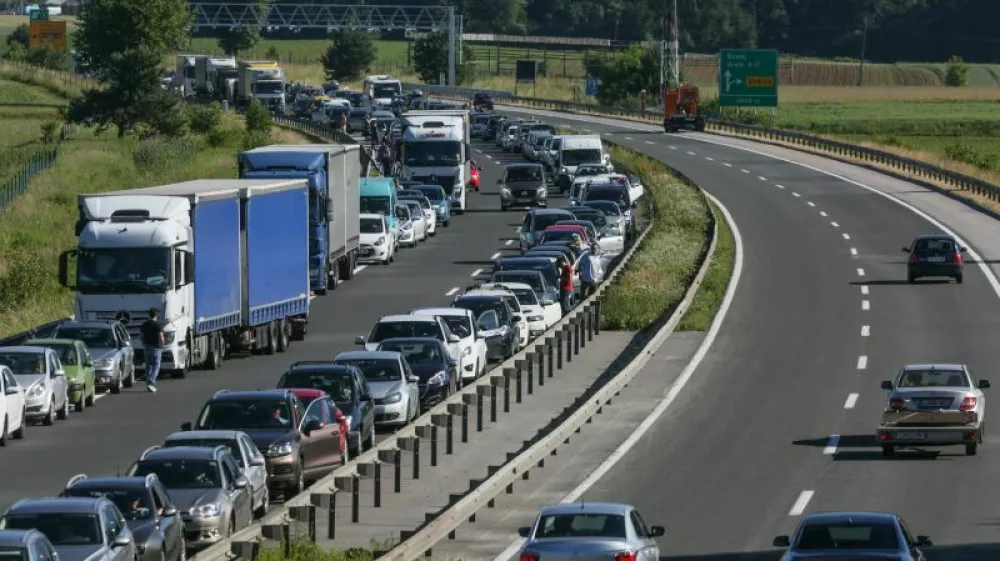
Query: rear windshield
[933,378]
[613,195]
[525,296]
[182,474]
[929,245]
[547,268]
[543,221]
[875,535]
[534,281]
[479,306]
[371,226]
[579,525]
[390,330]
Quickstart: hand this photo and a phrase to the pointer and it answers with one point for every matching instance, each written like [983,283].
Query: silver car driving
[80,529]
[46,388]
[584,531]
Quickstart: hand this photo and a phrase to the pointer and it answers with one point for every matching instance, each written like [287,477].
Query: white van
[577,150]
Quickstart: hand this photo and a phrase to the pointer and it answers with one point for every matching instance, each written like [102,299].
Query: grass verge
[659,273]
[305,550]
[713,287]
[37,226]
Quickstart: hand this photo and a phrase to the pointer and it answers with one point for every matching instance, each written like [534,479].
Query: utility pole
[673,59]
[864,47]
[663,50]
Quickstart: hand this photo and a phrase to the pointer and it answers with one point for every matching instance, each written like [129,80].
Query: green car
[79,367]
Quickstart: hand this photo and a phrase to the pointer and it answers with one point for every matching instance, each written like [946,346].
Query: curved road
[110,436]
[822,315]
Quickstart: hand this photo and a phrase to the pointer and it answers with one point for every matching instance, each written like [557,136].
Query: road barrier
[38,162]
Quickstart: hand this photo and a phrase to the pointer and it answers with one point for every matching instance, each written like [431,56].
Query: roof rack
[75,479]
[147,451]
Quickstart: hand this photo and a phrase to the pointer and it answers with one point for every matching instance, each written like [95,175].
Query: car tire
[959,278]
[130,381]
[63,413]
[50,417]
[79,405]
[261,510]
[116,386]
[370,441]
[299,485]
[888,450]
[19,433]
[971,449]
[284,335]
[447,223]
[3,432]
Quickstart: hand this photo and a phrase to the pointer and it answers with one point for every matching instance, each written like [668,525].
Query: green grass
[713,287]
[16,92]
[305,550]
[919,118]
[660,271]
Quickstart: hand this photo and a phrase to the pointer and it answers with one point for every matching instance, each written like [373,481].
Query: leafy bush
[25,273]
[969,155]
[256,139]
[258,118]
[204,119]
[50,130]
[957,74]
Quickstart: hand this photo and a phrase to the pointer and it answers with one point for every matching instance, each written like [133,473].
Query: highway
[107,438]
[778,420]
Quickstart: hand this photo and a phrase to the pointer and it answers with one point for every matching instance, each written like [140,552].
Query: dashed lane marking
[801,503]
[452,292]
[476,273]
[866,305]
[852,400]
[862,362]
[854,252]
[866,330]
[831,445]
[495,256]
[861,272]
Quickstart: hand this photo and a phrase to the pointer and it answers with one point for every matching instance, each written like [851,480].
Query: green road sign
[748,78]
[39,14]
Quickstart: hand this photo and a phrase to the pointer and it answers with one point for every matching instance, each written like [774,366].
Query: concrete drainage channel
[462,435]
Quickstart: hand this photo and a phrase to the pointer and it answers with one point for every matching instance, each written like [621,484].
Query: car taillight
[625,556]
[968,404]
[530,557]
[913,258]
[897,404]
[958,256]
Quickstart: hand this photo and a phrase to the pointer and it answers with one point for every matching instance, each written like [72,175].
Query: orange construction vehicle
[680,109]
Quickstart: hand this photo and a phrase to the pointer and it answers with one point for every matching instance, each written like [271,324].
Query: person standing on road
[385,160]
[372,131]
[342,122]
[565,284]
[590,272]
[152,343]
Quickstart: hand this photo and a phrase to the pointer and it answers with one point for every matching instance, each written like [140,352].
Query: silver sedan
[584,531]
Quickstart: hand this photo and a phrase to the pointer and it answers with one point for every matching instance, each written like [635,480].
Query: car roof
[481,296]
[16,537]
[131,482]
[402,318]
[48,341]
[523,165]
[227,395]
[514,285]
[25,349]
[516,260]
[441,312]
[512,272]
[934,366]
[57,505]
[348,355]
[207,434]
[857,516]
[934,237]
[410,340]
[548,211]
[87,323]
[180,453]
[309,392]
[590,508]
[317,365]
[372,215]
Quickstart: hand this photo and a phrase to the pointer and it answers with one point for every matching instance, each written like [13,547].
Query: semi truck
[215,78]
[382,89]
[262,80]
[184,74]
[334,175]
[436,150]
[225,261]
[680,109]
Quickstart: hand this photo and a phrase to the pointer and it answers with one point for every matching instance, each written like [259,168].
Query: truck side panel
[277,254]
[352,192]
[218,265]
[337,199]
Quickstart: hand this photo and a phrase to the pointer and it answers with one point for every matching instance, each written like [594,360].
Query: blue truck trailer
[225,261]
[334,175]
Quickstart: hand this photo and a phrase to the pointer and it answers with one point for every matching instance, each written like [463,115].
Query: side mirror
[88,363]
[331,214]
[886,385]
[359,340]
[781,541]
[656,531]
[524,531]
[169,511]
[59,373]
[984,384]
[963,249]
[454,339]
[257,462]
[122,541]
[311,425]
[186,426]
[452,362]
[241,482]
[64,258]
[906,250]
[924,541]
[517,317]
[413,379]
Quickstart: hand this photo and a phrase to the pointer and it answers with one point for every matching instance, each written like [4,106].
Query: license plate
[936,402]
[935,259]
[911,435]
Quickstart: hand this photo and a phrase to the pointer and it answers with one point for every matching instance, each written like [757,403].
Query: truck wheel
[283,335]
[971,449]
[332,278]
[214,361]
[888,450]
[272,339]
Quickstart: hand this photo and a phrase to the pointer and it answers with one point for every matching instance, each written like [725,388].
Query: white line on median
[854,251]
[831,445]
[650,142]
[845,234]
[476,273]
[628,138]
[862,362]
[866,305]
[727,164]
[672,147]
[762,178]
[810,203]
[508,243]
[709,159]
[691,153]
[479,151]
[861,272]
[779,186]
[794,194]
[360,268]
[835,225]
[452,291]
[745,170]
[495,256]
[822,213]
[801,503]
[864,290]
[852,400]
[866,331]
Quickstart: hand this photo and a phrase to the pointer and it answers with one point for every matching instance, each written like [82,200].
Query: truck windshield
[375,205]
[581,156]
[268,88]
[429,154]
[382,91]
[123,270]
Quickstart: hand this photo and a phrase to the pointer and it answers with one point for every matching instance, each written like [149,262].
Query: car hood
[425,371]
[263,438]
[371,238]
[382,389]
[186,499]
[79,552]
[98,354]
[534,184]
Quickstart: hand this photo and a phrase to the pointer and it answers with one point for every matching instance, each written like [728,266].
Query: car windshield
[873,535]
[231,445]
[934,245]
[543,221]
[580,156]
[459,325]
[23,363]
[415,208]
[609,208]
[93,337]
[432,193]
[950,378]
[336,382]
[245,414]
[182,474]
[134,504]
[392,329]
[375,369]
[67,353]
[60,528]
[524,173]
[417,354]
[11,553]
[371,226]
[546,267]
[375,205]
[581,525]
[429,154]
[480,305]
[525,296]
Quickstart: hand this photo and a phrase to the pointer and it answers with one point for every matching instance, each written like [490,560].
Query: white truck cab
[436,151]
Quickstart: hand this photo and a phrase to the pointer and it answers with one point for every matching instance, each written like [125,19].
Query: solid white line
[479,151]
[727,164]
[852,400]
[586,130]
[488,157]
[508,242]
[691,154]
[360,268]
[650,142]
[810,203]
[628,138]
[476,273]
[779,186]
[101,395]
[835,225]
[846,236]
[452,291]
[864,290]
[762,178]
[672,147]
[862,362]
[831,445]
[801,503]
[745,170]
[854,251]
[495,256]
[861,272]
[709,158]
[822,213]
[866,305]
[866,330]
[794,194]
[675,388]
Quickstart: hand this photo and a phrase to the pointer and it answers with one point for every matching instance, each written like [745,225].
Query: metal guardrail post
[397,461]
[577,326]
[590,322]
[444,420]
[468,400]
[549,351]
[559,351]
[568,330]
[581,332]
[496,381]
[597,317]
[329,502]
[480,393]
[430,432]
[508,374]
[307,514]
[462,410]
[519,373]
[373,470]
[355,498]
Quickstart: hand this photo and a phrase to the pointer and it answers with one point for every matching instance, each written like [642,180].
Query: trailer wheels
[216,351]
[272,339]
[284,332]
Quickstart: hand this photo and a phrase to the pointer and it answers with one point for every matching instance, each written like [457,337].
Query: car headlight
[408,226]
[536,318]
[394,397]
[207,511]
[279,449]
[37,390]
[563,171]
[467,351]
[104,363]
[76,385]
[438,379]
[380,241]
[542,192]
[168,337]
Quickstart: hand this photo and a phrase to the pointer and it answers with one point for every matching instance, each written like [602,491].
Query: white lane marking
[831,445]
[810,203]
[452,291]
[862,362]
[854,251]
[488,157]
[801,503]
[779,186]
[476,273]
[846,236]
[864,290]
[607,134]
[508,243]
[861,272]
[822,213]
[866,305]
[794,194]
[762,178]
[495,256]
[586,130]
[866,331]
[727,164]
[628,138]
[691,153]
[360,268]
[312,297]
[479,151]
[835,225]
[709,159]
[852,400]
[650,142]
[745,170]
[672,147]
[101,395]
[675,389]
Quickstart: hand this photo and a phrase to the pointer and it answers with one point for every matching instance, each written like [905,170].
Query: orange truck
[680,109]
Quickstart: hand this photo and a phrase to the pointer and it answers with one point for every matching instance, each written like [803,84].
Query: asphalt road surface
[821,316]
[107,438]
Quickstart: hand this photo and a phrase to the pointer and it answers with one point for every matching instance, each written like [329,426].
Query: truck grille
[136,319]
[448,182]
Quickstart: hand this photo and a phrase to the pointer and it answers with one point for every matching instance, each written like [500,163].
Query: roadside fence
[37,162]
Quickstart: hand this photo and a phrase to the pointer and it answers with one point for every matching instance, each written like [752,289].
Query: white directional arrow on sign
[730,81]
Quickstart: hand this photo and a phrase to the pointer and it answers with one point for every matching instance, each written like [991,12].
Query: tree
[957,75]
[626,74]
[430,59]
[350,53]
[19,35]
[45,56]
[239,39]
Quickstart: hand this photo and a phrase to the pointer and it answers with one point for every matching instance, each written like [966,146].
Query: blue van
[378,195]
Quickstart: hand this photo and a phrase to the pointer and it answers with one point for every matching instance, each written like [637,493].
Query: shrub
[957,74]
[25,273]
[156,153]
[258,118]
[204,119]
[49,131]
[256,139]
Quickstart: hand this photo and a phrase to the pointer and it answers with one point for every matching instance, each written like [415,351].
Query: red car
[307,396]
[572,228]
[474,177]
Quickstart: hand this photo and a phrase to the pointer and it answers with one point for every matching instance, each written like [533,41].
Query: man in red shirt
[565,284]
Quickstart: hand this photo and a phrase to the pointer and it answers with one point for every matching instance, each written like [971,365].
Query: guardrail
[39,332]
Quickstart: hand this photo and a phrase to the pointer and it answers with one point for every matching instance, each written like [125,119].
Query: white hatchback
[531,307]
[462,323]
[12,407]
[378,242]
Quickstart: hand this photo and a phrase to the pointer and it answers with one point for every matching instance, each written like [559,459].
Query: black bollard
[597,317]
[559,350]
[355,498]
[508,373]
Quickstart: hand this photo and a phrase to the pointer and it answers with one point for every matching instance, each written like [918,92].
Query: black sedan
[934,255]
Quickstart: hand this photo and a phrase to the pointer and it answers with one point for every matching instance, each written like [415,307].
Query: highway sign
[39,14]
[590,85]
[748,78]
[47,33]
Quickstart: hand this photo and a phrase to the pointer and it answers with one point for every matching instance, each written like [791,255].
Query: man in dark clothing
[373,135]
[152,343]
[565,284]
[385,159]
